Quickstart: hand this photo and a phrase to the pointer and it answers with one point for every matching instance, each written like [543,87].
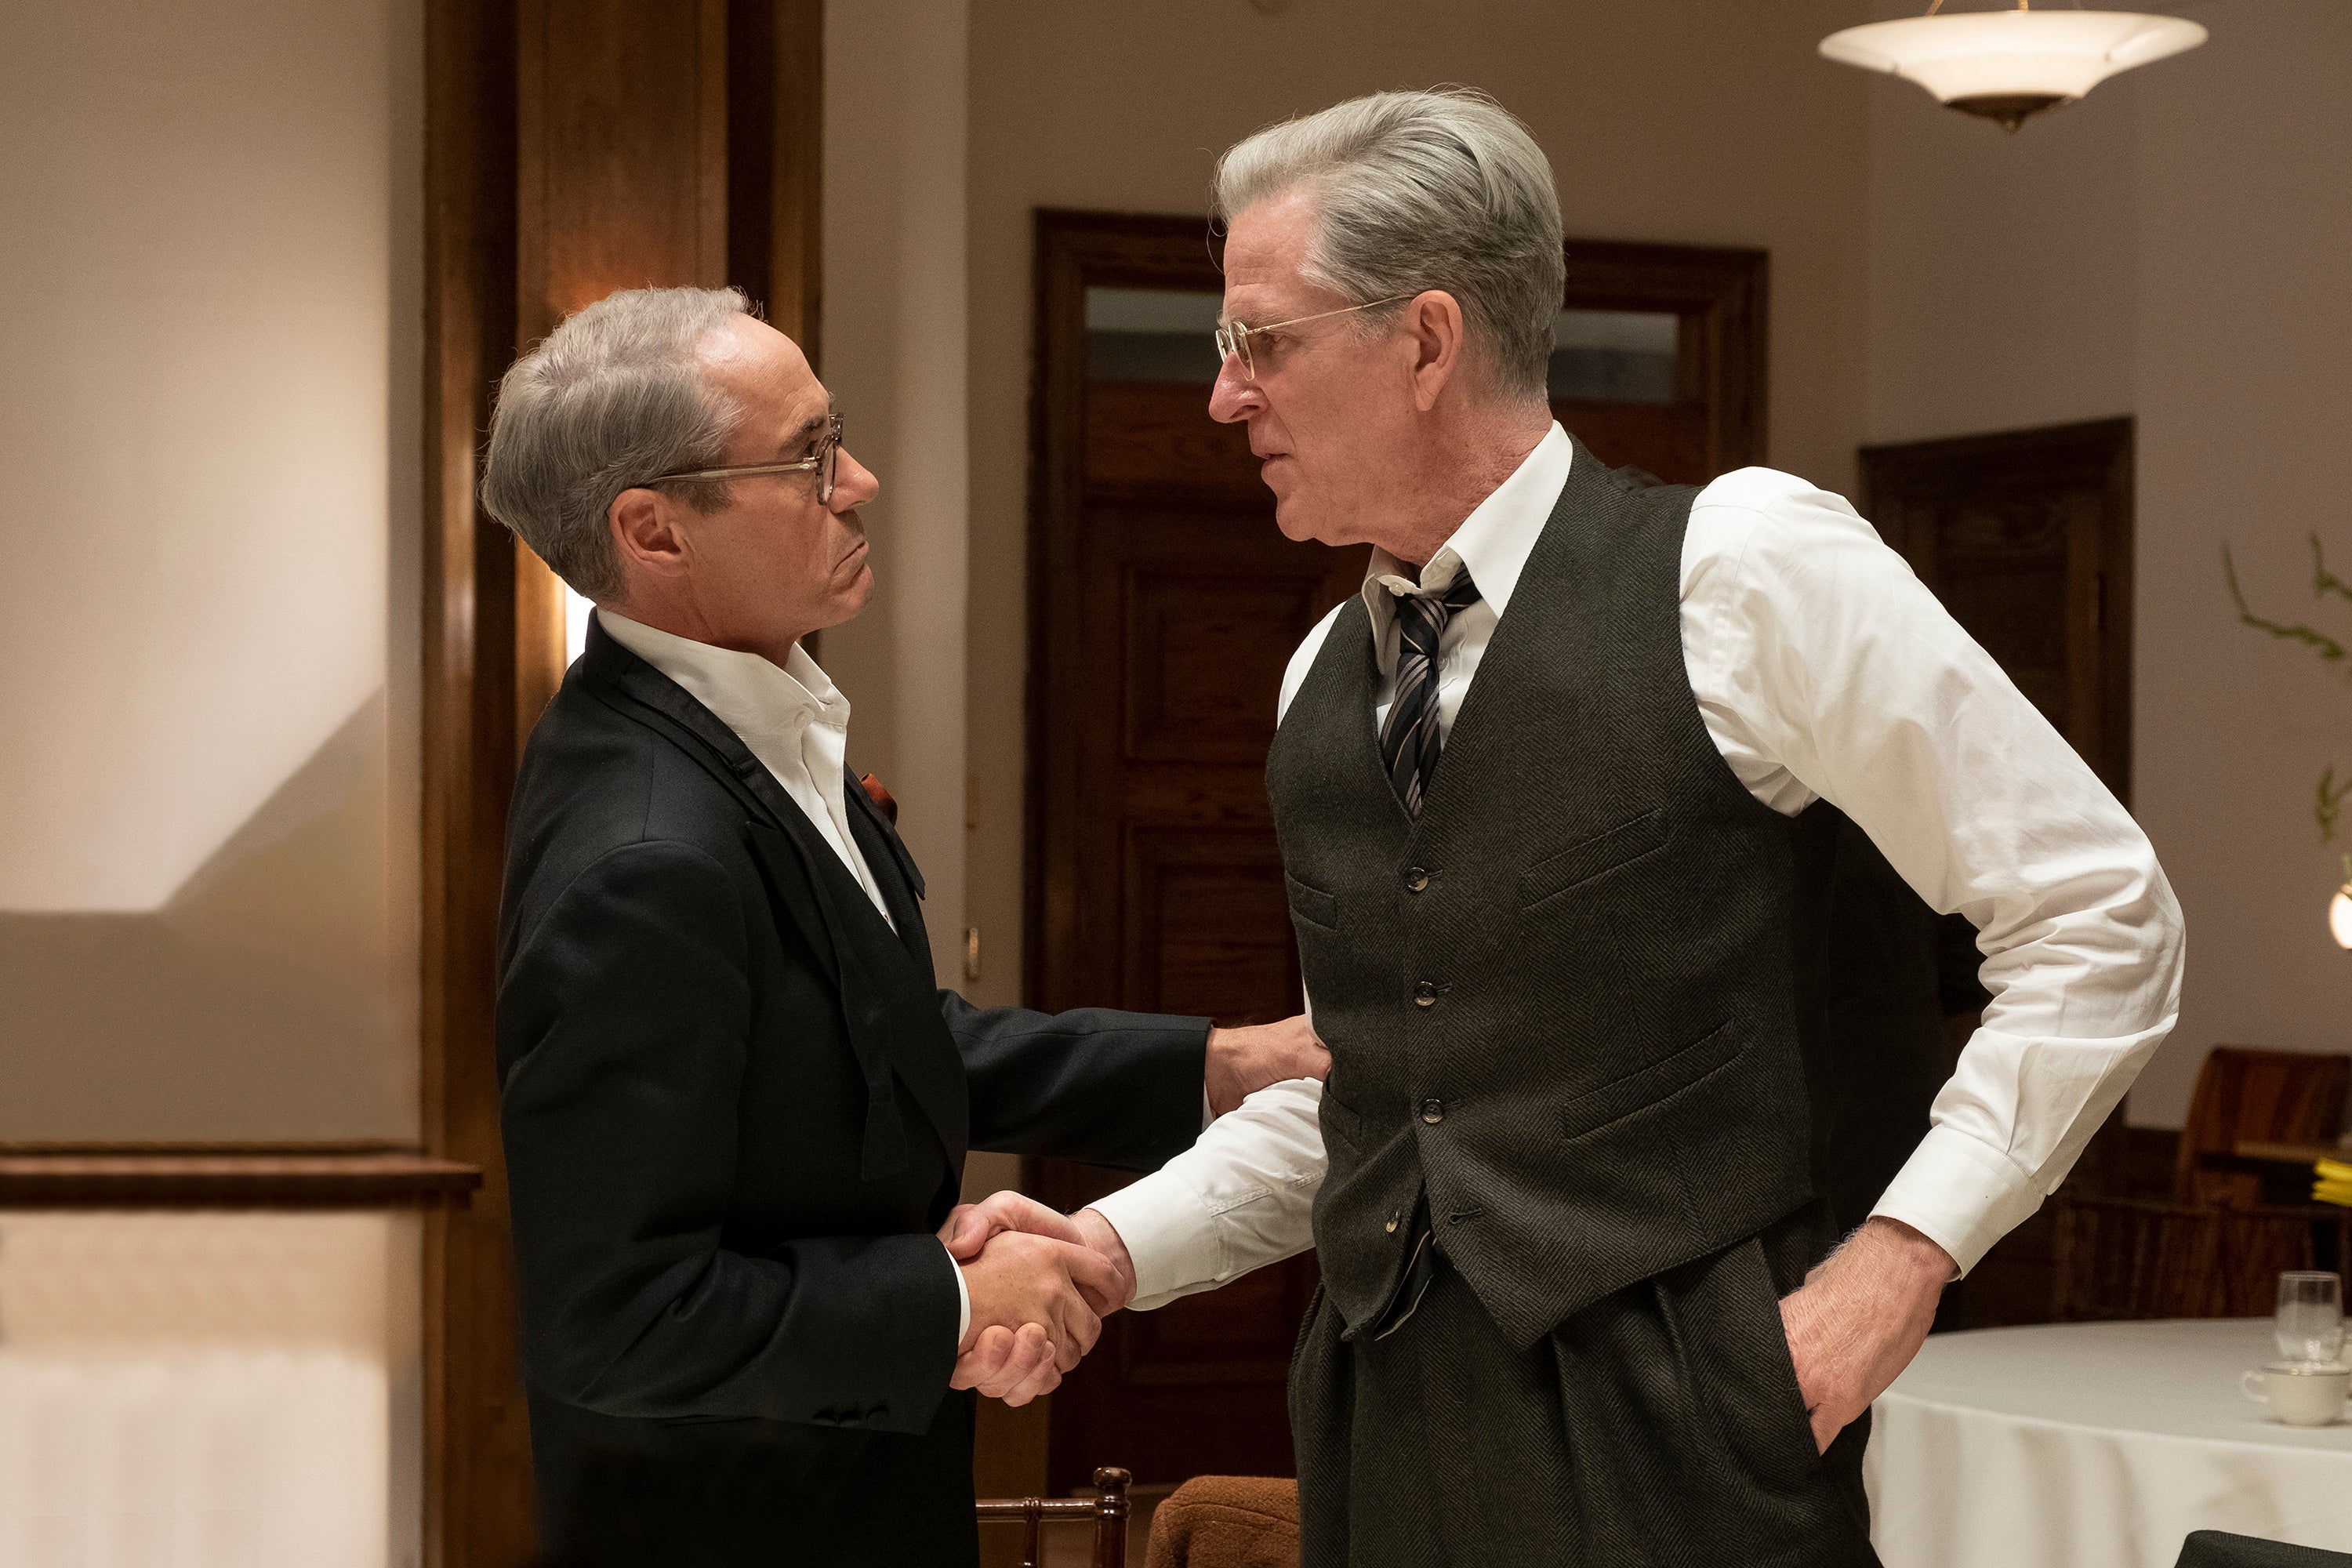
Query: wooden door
[1165,605]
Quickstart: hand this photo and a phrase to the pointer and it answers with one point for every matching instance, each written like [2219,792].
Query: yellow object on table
[2334,1182]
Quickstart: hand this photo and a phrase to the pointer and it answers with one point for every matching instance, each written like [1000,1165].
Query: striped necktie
[1410,741]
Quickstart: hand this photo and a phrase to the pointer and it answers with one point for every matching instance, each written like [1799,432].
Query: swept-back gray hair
[606,400]
[1412,191]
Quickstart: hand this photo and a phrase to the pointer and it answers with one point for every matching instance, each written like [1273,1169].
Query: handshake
[1042,1282]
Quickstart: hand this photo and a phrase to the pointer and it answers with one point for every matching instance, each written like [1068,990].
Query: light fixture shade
[2339,916]
[2007,64]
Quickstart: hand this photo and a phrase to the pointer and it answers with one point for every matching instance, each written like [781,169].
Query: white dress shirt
[1823,670]
[796,721]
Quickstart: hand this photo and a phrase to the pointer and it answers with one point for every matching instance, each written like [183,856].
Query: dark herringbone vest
[1559,1002]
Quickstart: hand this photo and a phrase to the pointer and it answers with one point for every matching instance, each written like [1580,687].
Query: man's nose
[854,483]
[1235,397]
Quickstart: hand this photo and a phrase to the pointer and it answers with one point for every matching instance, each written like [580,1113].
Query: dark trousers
[1660,1425]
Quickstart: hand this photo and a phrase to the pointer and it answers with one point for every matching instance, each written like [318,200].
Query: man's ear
[644,524]
[1433,322]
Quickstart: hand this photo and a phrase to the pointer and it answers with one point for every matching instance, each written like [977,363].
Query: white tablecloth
[2095,1445]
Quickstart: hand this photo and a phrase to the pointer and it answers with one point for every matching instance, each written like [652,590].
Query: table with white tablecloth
[2095,1445]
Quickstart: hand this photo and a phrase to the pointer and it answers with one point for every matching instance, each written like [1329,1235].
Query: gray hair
[1413,191]
[605,401]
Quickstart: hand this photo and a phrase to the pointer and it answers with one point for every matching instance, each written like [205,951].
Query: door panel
[1165,607]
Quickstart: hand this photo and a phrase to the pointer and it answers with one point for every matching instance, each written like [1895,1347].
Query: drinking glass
[2310,1326]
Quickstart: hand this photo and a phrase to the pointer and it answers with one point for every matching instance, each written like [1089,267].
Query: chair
[1227,1521]
[2136,1258]
[2252,1096]
[2213,1548]
[1108,1509]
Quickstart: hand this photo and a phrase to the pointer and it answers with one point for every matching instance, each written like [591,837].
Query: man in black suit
[735,1104]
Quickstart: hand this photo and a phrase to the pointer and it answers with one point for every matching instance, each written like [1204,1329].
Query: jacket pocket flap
[1604,851]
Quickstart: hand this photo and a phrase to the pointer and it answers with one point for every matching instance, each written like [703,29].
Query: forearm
[1106,1088]
[1240,1198]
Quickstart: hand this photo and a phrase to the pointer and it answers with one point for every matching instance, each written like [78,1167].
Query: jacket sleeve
[1110,1089]
[624,1018]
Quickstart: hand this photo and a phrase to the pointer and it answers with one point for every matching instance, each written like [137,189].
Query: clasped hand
[1040,1282]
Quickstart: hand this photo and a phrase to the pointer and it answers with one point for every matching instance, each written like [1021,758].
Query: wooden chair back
[1106,1511]
[2136,1258]
[2253,1096]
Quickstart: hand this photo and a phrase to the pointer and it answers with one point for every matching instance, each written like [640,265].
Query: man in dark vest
[1537,790]
[735,1102]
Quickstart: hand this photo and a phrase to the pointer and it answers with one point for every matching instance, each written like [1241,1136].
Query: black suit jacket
[735,1109]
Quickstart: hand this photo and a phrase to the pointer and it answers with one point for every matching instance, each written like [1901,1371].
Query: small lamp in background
[2006,65]
[2339,916]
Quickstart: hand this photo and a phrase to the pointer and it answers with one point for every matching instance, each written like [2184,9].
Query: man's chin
[1295,521]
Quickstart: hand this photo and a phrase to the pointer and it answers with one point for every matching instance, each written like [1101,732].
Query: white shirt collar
[1493,543]
[751,696]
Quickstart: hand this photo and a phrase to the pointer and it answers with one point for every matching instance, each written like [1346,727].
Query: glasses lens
[829,458]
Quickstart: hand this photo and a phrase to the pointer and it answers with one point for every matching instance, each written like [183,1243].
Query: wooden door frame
[1718,294]
[493,652]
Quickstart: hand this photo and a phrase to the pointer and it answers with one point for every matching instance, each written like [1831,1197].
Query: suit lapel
[886,999]
[893,867]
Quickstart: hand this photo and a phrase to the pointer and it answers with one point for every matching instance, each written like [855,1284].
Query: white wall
[212,264]
[2176,248]
[183,1388]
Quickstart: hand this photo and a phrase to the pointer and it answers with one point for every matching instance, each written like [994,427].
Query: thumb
[1097,1280]
[966,1231]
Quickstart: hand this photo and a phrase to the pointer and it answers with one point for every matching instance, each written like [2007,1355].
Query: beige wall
[1698,123]
[211,264]
[894,324]
[2175,248]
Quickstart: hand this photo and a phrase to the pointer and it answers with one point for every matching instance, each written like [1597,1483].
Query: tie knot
[1434,609]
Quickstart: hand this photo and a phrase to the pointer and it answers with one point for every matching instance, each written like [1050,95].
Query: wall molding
[365,1174]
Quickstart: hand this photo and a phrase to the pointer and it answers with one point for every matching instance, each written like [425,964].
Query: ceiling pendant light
[2007,65]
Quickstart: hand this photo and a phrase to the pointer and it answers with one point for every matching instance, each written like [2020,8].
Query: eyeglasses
[825,460]
[1233,337]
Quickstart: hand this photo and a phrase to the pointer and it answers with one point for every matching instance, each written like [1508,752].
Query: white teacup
[2299,1393]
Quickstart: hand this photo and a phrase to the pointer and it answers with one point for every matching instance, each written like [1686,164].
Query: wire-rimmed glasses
[824,459]
[1234,337]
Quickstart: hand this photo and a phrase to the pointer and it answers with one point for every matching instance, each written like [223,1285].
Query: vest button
[1394,1220]
[1432,1111]
[1424,994]
[1415,879]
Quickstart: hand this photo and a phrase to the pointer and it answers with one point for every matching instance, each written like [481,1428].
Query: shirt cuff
[1171,1235]
[964,1297]
[1959,1193]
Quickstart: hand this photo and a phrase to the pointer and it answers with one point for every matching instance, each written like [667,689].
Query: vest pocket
[1582,861]
[1313,905]
[1338,1121]
[1646,1087]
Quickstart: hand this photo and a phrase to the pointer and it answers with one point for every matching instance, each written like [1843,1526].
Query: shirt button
[1415,879]
[1432,1111]
[1424,994]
